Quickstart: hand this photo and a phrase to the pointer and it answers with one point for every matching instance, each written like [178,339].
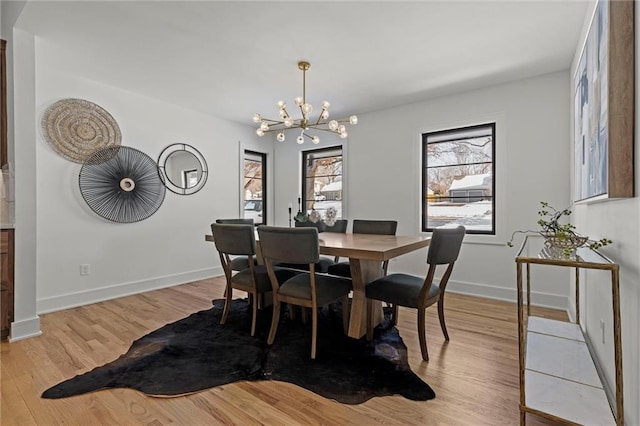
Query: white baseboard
[25,329]
[546,300]
[72,300]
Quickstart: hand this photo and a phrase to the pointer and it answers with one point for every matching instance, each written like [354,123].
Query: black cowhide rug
[197,353]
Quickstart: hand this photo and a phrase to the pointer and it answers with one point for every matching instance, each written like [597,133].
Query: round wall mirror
[182,169]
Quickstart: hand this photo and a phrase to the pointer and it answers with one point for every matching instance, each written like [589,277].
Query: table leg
[363,272]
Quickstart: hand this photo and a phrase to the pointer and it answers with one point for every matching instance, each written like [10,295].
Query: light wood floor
[475,375]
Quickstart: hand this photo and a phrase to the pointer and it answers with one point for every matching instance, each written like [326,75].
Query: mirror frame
[162,161]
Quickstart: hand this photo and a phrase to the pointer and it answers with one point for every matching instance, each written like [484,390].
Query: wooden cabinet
[6,272]
[558,377]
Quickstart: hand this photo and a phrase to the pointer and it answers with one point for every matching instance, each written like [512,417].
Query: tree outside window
[458,186]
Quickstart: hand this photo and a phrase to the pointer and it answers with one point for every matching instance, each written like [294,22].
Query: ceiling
[233,59]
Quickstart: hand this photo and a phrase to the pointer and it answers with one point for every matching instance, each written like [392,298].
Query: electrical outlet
[84,269]
[602,330]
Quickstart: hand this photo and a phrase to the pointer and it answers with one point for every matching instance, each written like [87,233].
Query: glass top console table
[558,378]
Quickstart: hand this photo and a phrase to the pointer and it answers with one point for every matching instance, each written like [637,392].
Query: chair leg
[227,304]
[275,319]
[441,317]
[422,333]
[394,315]
[314,331]
[255,314]
[345,314]
[303,315]
[369,319]
[292,312]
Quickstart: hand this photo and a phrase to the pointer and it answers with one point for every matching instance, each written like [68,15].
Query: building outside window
[255,187]
[322,180]
[458,186]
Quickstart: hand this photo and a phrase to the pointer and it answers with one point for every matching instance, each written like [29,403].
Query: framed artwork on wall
[604,106]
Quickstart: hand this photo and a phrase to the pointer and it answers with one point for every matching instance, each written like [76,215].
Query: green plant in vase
[562,235]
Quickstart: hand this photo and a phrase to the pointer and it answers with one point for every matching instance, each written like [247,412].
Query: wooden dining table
[366,254]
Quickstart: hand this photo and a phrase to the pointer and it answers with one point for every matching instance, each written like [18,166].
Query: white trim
[546,300]
[500,173]
[81,298]
[25,329]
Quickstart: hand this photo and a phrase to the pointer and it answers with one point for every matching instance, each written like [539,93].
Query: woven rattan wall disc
[76,128]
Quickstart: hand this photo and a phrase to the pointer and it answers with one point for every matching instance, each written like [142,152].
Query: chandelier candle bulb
[305,123]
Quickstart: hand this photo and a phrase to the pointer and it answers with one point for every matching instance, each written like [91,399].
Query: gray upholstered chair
[309,290]
[325,262]
[417,292]
[380,227]
[339,226]
[239,240]
[238,263]
[235,221]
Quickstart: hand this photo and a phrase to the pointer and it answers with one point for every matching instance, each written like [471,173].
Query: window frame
[303,183]
[493,125]
[264,199]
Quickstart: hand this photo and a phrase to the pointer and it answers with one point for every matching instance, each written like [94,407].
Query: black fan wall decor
[121,184]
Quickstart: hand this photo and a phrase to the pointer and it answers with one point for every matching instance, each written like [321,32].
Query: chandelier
[287,122]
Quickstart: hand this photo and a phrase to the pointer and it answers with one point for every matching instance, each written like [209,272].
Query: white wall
[618,220]
[382,175]
[166,249]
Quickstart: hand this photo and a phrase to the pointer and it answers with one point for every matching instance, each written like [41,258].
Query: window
[458,187]
[190,178]
[322,180]
[255,187]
